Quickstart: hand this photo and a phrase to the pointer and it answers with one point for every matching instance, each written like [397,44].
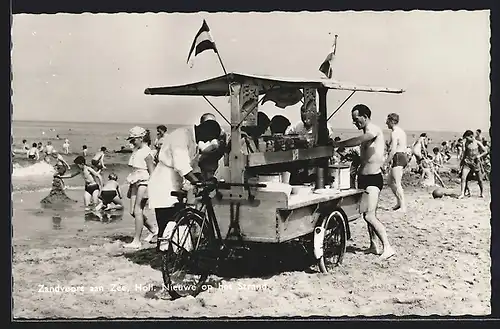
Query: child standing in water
[93,182]
[84,150]
[33,153]
[471,162]
[66,146]
[49,148]
[98,160]
[26,147]
[40,147]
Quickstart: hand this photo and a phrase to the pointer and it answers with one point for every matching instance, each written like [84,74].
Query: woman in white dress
[142,165]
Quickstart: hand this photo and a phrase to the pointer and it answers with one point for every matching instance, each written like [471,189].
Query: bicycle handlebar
[214,184]
[223,183]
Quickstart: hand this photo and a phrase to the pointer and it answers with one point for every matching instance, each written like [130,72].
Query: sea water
[31,180]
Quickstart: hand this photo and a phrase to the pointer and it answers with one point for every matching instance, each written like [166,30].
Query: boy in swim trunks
[471,162]
[93,182]
[111,194]
[438,160]
[398,160]
[370,178]
[98,160]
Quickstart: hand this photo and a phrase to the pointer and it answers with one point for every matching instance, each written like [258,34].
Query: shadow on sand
[261,261]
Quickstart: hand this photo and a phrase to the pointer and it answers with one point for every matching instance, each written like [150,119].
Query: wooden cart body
[264,216]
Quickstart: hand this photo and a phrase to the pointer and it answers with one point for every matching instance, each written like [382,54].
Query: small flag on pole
[326,66]
[202,41]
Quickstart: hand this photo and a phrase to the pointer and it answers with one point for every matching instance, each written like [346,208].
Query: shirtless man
[420,148]
[93,182]
[471,162]
[370,175]
[397,158]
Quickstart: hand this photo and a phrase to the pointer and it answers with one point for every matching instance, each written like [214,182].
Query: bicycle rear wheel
[182,270]
[334,242]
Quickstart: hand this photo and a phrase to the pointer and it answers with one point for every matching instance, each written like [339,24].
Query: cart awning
[219,86]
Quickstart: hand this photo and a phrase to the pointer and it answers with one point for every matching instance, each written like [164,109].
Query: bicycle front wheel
[182,264]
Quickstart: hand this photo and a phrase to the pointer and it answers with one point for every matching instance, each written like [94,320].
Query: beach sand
[442,267]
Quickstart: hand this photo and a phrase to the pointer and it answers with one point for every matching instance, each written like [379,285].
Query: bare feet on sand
[150,237]
[374,249]
[133,245]
[388,253]
[398,208]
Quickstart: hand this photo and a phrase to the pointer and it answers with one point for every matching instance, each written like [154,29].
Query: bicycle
[195,245]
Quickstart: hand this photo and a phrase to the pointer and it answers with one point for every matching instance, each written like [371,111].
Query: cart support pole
[322,172]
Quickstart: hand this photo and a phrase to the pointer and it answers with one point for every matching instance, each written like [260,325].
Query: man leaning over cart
[177,159]
[370,175]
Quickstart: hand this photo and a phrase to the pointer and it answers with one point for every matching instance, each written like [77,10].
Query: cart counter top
[301,200]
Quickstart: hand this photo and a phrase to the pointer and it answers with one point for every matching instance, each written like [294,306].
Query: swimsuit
[370,180]
[90,188]
[96,163]
[399,160]
[108,196]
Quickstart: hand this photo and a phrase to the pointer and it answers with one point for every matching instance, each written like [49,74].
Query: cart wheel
[334,242]
[181,272]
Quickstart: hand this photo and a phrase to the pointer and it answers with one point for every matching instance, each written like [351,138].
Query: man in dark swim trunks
[471,162]
[372,147]
[397,159]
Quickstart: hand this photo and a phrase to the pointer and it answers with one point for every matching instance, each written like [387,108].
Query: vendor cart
[242,211]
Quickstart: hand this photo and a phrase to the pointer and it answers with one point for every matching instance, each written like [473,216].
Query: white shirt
[299,128]
[176,158]
[138,157]
[49,149]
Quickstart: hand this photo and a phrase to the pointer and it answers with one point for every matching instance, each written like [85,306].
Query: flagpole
[220,61]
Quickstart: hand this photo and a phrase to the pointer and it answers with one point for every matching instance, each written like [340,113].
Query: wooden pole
[322,172]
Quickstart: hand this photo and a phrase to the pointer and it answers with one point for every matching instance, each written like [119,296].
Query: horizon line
[186,124]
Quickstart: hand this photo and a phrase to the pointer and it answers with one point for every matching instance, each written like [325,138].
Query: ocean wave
[37,177]
[32,169]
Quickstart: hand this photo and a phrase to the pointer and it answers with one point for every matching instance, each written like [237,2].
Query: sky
[95,67]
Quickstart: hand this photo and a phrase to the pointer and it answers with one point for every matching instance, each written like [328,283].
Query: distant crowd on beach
[199,152]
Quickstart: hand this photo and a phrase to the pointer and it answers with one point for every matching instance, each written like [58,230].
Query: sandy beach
[442,267]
